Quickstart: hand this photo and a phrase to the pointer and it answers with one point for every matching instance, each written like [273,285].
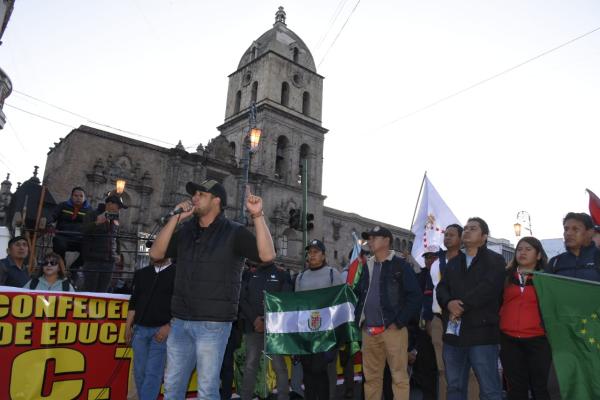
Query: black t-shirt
[244,246]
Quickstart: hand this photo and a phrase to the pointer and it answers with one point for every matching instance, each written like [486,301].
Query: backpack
[35,281]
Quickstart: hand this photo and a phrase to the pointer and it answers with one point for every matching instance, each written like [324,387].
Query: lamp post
[249,145]
[523,216]
[120,185]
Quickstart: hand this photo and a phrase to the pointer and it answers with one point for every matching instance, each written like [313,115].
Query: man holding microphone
[210,251]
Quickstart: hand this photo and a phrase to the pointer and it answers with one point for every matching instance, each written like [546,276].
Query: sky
[526,139]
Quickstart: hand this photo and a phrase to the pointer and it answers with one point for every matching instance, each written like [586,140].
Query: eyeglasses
[49,263]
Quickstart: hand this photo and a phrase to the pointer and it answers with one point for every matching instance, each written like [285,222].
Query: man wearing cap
[100,245]
[13,269]
[210,251]
[389,297]
[320,376]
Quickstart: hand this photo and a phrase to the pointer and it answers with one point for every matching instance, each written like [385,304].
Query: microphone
[171,213]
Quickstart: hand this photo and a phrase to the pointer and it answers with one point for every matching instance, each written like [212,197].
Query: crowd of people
[475,329]
[93,234]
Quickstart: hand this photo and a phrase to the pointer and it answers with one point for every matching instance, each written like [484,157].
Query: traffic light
[309,222]
[295,219]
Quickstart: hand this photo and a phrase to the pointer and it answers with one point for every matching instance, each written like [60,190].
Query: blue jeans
[149,357]
[199,344]
[484,361]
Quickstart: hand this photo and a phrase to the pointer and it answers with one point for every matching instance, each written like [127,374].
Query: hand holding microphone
[184,209]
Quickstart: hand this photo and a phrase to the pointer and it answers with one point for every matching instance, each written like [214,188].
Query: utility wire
[40,116]
[481,82]
[331,22]
[89,120]
[338,34]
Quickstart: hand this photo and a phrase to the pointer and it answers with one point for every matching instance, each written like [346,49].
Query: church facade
[277,75]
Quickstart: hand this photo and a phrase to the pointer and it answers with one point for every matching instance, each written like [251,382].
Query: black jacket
[400,294]
[480,289]
[66,219]
[255,282]
[100,242]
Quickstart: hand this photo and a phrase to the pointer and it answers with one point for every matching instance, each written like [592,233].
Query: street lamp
[250,145]
[120,185]
[523,216]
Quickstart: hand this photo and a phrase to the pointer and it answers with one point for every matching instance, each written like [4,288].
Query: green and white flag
[311,321]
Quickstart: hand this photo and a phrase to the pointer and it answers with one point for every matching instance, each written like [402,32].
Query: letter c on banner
[29,370]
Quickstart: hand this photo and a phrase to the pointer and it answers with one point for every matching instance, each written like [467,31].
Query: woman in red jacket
[524,349]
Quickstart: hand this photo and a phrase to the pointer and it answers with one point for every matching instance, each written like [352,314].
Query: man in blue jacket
[68,217]
[389,297]
[582,258]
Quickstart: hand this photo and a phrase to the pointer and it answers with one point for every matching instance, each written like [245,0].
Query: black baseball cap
[316,244]
[209,186]
[16,239]
[113,198]
[378,231]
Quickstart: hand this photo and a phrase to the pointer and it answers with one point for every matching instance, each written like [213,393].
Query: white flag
[429,227]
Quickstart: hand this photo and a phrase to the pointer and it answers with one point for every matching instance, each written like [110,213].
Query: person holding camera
[101,245]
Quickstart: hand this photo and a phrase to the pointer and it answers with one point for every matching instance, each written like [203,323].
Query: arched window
[285,94]
[254,92]
[295,56]
[280,159]
[403,245]
[238,102]
[254,52]
[397,244]
[306,103]
[232,148]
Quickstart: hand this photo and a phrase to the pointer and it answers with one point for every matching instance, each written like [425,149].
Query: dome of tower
[283,41]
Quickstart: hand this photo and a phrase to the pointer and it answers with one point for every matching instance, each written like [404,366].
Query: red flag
[594,207]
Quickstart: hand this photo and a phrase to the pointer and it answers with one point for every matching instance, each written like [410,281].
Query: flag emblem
[314,323]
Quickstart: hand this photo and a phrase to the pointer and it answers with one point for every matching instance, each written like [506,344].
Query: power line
[331,22]
[481,82]
[89,120]
[40,116]
[338,34]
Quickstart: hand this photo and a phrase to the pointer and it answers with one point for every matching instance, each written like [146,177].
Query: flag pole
[418,198]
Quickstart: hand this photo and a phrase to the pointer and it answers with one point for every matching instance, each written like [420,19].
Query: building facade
[277,74]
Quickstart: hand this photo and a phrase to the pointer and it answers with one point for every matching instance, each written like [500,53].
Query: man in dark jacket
[389,297]
[470,293]
[101,245]
[264,277]
[582,258]
[13,268]
[147,326]
[68,218]
[210,251]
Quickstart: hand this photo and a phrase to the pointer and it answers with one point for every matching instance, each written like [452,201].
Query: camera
[111,216]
